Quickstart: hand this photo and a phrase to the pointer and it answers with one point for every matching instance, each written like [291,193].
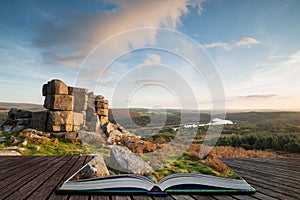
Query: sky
[194,54]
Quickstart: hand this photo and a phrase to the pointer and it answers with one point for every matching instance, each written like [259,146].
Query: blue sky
[254,45]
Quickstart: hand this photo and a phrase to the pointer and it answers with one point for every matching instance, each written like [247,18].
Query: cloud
[148,81]
[278,78]
[74,34]
[152,58]
[246,42]
[258,96]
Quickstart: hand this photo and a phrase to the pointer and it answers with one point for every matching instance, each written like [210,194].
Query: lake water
[215,121]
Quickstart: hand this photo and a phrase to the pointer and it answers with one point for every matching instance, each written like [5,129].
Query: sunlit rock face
[123,160]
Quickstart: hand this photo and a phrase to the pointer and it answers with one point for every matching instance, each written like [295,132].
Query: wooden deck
[38,178]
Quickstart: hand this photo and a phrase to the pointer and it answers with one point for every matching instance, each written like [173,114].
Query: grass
[52,147]
[185,164]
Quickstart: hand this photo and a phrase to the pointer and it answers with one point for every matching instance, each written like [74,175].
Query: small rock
[29,130]
[9,153]
[115,137]
[11,148]
[37,148]
[56,141]
[24,143]
[72,137]
[13,140]
[2,139]
[21,149]
[7,128]
[17,128]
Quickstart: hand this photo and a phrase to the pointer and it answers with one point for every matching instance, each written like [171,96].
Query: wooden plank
[202,197]
[244,197]
[285,180]
[162,197]
[293,185]
[271,186]
[80,162]
[222,197]
[79,197]
[21,177]
[31,185]
[120,197]
[184,197]
[271,163]
[272,167]
[17,168]
[259,195]
[50,185]
[99,197]
[270,193]
[11,162]
[141,197]
[278,161]
[264,172]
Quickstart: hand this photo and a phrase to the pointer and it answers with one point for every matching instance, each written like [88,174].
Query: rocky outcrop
[69,109]
[72,109]
[17,120]
[122,159]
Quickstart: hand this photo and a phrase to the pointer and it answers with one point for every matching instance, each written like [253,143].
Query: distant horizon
[204,109]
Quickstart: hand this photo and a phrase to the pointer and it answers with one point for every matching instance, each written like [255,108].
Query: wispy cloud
[246,42]
[278,78]
[152,58]
[258,96]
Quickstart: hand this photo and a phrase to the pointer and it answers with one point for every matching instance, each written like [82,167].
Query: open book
[134,183]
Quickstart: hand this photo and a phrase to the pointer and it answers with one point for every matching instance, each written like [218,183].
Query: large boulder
[78,121]
[80,98]
[122,159]
[96,168]
[59,102]
[12,113]
[15,113]
[39,120]
[92,120]
[60,121]
[55,87]
[90,137]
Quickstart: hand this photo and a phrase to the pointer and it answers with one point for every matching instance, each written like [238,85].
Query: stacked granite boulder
[101,106]
[60,105]
[70,108]
[80,106]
